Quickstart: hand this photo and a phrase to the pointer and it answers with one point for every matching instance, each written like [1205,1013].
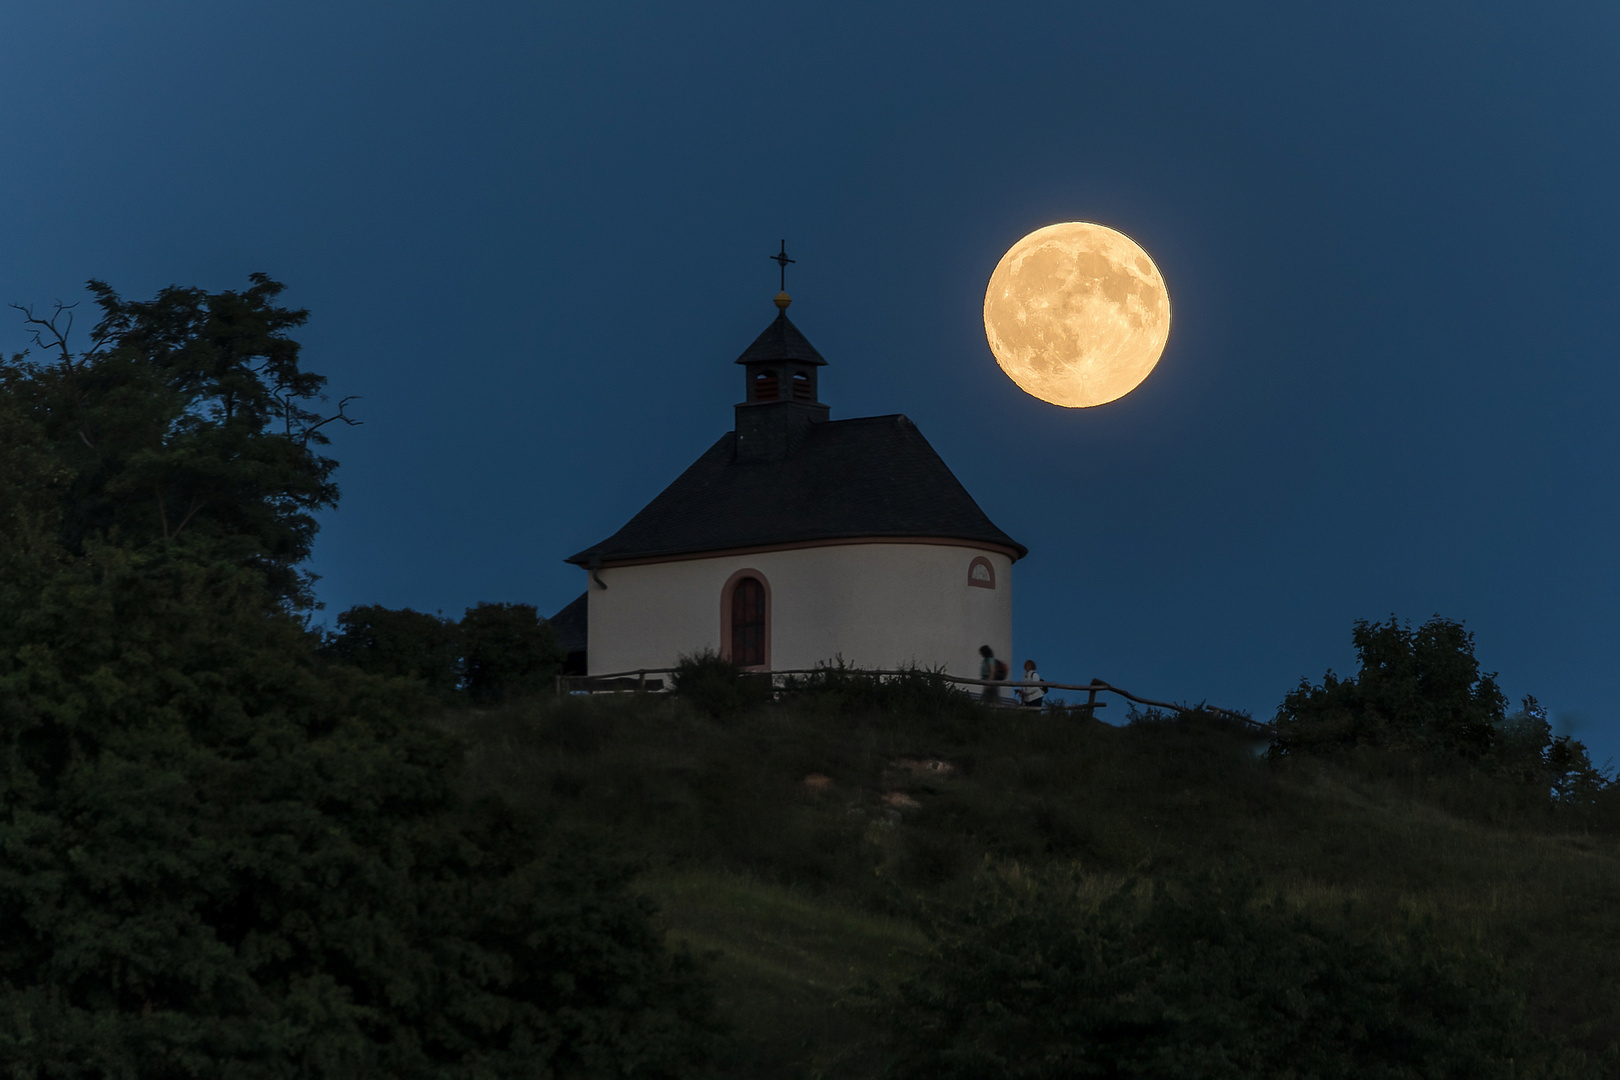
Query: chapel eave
[1012,551]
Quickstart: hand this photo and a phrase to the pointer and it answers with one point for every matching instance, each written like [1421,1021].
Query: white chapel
[796,539]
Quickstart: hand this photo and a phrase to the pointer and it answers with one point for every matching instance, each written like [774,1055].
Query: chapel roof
[870,477]
[570,624]
[781,340]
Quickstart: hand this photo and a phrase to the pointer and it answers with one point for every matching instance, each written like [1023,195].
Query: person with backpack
[991,669]
[1033,697]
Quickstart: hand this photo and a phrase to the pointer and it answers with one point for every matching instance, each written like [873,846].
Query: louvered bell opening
[765,386]
[802,390]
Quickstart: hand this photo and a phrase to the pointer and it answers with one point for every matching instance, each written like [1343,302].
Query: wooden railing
[639,681]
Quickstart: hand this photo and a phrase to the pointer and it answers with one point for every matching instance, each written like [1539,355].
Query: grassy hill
[797,840]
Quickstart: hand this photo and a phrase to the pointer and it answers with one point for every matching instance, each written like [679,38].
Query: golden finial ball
[783,300]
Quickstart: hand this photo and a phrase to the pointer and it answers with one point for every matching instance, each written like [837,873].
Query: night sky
[534,237]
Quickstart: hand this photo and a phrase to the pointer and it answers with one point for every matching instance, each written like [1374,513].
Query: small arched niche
[981,574]
[803,388]
[766,386]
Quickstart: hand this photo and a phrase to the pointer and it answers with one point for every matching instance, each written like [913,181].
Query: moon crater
[1077,314]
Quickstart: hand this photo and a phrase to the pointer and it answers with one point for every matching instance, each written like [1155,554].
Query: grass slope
[805,889]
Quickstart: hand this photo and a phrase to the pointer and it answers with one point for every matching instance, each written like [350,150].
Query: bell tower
[780,396]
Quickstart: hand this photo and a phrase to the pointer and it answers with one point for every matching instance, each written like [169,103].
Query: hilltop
[801,840]
[235,843]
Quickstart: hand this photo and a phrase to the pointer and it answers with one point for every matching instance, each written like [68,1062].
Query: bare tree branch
[46,333]
[339,415]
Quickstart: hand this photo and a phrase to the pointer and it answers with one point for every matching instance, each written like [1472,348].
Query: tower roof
[781,341]
[850,479]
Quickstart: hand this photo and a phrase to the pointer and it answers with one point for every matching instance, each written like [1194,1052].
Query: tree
[1422,692]
[399,643]
[30,511]
[507,651]
[1417,689]
[222,855]
[186,420]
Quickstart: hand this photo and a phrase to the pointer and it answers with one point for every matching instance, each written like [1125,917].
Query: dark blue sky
[533,238]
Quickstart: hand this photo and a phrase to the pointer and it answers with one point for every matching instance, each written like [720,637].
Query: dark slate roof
[781,341]
[569,624]
[875,476]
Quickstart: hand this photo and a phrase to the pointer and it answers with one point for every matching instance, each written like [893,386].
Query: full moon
[1076,314]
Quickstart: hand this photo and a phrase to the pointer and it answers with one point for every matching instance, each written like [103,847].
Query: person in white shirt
[1032,696]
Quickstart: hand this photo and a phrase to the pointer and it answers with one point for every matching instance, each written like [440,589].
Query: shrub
[225,858]
[1196,978]
[717,687]
[914,692]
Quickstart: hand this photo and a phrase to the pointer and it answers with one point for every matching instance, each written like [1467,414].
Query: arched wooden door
[748,622]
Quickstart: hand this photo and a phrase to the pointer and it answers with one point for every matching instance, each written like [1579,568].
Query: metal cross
[782,260]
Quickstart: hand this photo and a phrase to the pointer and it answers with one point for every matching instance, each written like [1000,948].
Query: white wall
[877,605]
